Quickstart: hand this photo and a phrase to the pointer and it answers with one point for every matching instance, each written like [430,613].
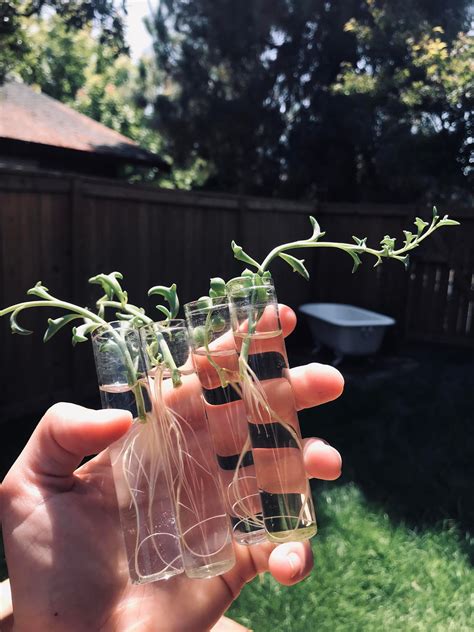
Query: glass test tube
[285,493]
[215,360]
[138,461]
[202,521]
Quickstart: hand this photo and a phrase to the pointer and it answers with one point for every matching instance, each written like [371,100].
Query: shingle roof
[34,117]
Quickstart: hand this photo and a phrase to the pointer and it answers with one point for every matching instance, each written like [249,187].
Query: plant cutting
[217,365]
[201,518]
[159,466]
[263,382]
[138,459]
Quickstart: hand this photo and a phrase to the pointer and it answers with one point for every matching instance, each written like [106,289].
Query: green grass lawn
[393,552]
[370,575]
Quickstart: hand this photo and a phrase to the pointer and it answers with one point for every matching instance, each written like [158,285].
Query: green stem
[251,325]
[169,360]
[304,243]
[167,356]
[138,394]
[130,309]
[85,313]
[219,370]
[133,381]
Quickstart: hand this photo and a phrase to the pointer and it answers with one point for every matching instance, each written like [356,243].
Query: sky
[138,37]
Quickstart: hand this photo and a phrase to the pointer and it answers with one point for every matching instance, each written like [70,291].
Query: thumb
[66,434]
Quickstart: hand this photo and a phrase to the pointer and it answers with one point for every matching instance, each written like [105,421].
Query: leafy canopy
[106,15]
[355,100]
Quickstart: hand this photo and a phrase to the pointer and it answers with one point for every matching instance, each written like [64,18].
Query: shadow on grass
[404,427]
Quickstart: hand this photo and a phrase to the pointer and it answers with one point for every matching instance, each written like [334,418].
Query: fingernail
[295,564]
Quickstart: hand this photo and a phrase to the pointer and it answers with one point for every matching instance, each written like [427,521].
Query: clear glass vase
[216,363]
[267,393]
[202,521]
[139,462]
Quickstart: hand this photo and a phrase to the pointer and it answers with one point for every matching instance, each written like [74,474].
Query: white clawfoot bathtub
[346,329]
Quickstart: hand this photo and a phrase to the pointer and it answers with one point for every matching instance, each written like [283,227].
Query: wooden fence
[63,229]
[434,300]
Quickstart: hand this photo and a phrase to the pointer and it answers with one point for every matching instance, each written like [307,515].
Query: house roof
[33,117]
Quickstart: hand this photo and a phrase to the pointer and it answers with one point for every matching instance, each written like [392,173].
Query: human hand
[63,540]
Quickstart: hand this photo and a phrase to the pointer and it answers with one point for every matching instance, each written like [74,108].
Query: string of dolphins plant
[258,274]
[261,273]
[156,447]
[214,323]
[387,250]
[114,297]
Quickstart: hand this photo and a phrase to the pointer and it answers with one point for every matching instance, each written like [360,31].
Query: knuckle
[59,410]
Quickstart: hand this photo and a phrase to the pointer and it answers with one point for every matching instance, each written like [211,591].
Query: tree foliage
[106,15]
[57,58]
[366,99]
[354,100]
[76,67]
[417,82]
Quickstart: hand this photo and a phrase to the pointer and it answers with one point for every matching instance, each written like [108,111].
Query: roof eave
[31,149]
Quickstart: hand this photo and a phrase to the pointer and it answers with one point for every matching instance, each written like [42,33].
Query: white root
[154,451]
[181,465]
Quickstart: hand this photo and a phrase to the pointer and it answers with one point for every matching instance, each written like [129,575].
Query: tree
[105,15]
[57,57]
[303,98]
[234,84]
[416,82]
[73,66]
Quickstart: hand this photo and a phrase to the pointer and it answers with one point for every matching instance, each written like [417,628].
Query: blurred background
[143,136]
